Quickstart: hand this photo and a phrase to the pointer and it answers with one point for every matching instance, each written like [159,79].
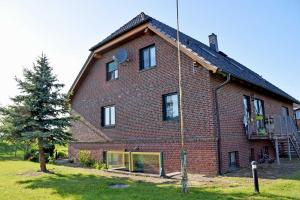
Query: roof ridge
[137,20]
[224,63]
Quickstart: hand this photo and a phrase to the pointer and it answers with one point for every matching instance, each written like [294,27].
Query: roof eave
[292,99]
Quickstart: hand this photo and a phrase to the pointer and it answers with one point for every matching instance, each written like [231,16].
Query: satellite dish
[121,56]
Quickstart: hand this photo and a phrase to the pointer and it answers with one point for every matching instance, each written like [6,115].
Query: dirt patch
[30,173]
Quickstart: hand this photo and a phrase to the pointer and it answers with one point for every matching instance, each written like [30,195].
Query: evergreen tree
[41,112]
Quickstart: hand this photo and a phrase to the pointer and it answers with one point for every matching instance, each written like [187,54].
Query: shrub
[61,155]
[33,155]
[85,158]
[100,165]
[51,159]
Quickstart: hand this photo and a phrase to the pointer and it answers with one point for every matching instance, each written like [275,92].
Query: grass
[20,180]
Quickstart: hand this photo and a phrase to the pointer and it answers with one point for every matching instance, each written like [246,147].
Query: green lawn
[20,180]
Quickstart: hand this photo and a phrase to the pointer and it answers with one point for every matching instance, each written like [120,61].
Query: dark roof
[218,59]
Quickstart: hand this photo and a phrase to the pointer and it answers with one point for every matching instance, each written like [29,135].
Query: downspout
[218,123]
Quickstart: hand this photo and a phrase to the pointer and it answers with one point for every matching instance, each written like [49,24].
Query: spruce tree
[41,112]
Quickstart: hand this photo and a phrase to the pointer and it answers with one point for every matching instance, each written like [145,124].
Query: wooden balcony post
[289,148]
[277,151]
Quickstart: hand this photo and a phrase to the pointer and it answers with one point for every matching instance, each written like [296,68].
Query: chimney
[213,42]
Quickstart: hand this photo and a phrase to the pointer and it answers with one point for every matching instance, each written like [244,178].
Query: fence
[145,162]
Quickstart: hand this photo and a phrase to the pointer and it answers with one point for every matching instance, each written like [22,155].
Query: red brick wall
[200,154]
[138,99]
[231,114]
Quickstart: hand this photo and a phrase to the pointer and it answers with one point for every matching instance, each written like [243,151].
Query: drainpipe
[218,123]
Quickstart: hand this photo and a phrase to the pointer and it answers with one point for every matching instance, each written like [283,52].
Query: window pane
[232,158]
[116,74]
[112,71]
[112,66]
[146,61]
[152,56]
[246,107]
[285,111]
[107,116]
[113,75]
[112,115]
[171,106]
[175,105]
[297,114]
[260,107]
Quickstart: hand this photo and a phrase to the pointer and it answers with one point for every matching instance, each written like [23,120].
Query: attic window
[147,57]
[112,71]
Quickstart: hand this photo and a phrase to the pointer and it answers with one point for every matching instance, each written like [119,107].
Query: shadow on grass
[83,187]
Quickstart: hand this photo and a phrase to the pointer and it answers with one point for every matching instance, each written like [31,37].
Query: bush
[51,160]
[85,158]
[33,155]
[100,165]
[61,155]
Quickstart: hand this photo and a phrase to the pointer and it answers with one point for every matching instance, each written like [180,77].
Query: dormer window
[147,57]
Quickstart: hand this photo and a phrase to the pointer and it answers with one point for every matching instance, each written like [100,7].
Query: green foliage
[33,155]
[85,158]
[262,132]
[51,160]
[61,152]
[259,117]
[41,112]
[100,165]
[61,155]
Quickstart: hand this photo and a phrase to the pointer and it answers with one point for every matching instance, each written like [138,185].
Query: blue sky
[264,35]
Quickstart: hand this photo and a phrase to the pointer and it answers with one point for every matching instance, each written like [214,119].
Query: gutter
[219,147]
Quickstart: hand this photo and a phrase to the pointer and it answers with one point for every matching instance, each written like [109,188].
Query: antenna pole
[183,156]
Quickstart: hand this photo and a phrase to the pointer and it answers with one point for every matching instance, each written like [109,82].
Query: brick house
[133,106]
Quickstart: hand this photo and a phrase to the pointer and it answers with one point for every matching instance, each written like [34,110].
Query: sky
[264,35]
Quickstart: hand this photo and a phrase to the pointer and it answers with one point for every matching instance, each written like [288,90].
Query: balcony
[270,127]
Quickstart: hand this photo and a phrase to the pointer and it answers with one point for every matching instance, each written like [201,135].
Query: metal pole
[184,178]
[255,176]
[161,165]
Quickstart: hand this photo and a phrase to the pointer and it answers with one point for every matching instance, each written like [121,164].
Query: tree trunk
[42,158]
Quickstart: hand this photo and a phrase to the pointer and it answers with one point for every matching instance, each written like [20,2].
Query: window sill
[175,119]
[112,80]
[147,69]
[109,126]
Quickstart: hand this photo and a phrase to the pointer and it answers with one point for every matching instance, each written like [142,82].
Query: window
[147,57]
[260,112]
[285,111]
[247,108]
[233,159]
[297,114]
[170,106]
[108,116]
[111,71]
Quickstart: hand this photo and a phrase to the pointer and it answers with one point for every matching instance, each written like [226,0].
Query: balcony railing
[271,126]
